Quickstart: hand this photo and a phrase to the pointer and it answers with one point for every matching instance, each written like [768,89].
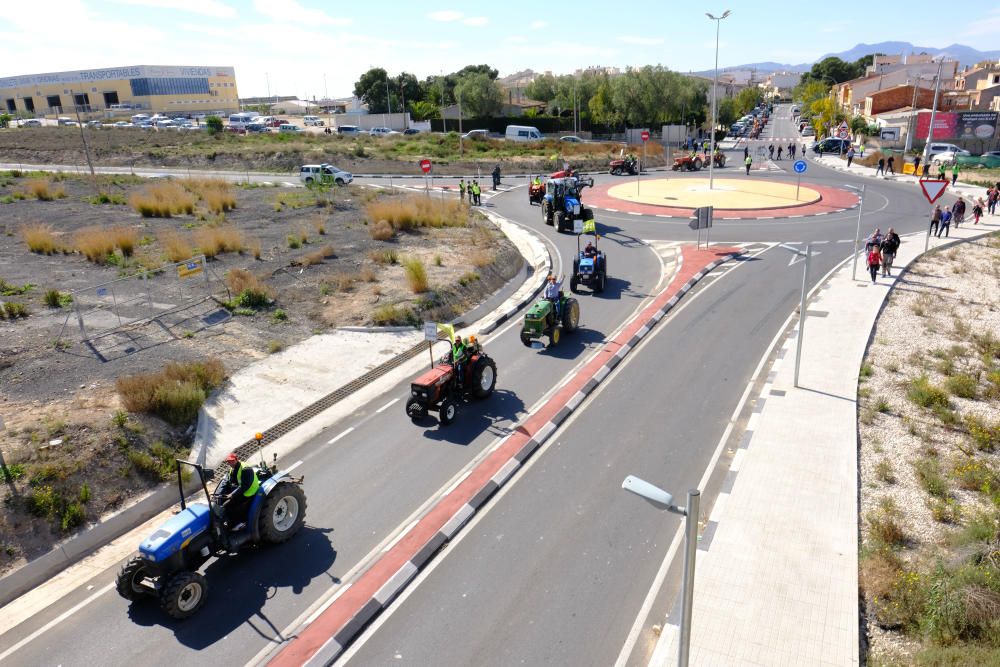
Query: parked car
[936,147]
[31,122]
[257,128]
[123,123]
[379,131]
[324,173]
[807,131]
[831,145]
[571,139]
[411,130]
[139,118]
[947,157]
[288,127]
[476,134]
[349,130]
[312,120]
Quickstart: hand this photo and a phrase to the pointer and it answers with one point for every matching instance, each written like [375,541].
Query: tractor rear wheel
[697,164]
[283,513]
[415,409]
[129,582]
[602,278]
[573,284]
[184,594]
[571,315]
[484,377]
[448,411]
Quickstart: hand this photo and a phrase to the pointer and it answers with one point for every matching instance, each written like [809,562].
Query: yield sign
[933,188]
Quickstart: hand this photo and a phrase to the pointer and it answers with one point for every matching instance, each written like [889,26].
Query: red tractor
[536,192]
[694,162]
[439,389]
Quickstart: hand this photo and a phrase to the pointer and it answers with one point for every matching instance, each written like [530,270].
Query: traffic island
[733,198]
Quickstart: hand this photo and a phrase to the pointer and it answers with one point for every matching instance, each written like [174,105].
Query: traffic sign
[645,135]
[702,218]
[933,188]
[800,166]
[425,166]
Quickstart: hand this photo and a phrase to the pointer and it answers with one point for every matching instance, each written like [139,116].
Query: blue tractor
[590,267]
[562,203]
[166,567]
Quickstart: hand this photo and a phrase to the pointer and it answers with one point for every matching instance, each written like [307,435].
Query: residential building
[897,97]
[850,95]
[156,88]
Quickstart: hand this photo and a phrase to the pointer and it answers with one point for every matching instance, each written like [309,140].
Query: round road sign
[425,166]
[800,166]
[645,135]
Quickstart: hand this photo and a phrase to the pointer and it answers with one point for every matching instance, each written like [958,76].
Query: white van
[522,133]
[239,121]
[312,120]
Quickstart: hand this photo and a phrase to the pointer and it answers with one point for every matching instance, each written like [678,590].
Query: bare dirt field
[283,264]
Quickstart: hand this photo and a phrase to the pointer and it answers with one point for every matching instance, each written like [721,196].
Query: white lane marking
[342,434]
[388,405]
[633,213]
[55,621]
[293,466]
[288,185]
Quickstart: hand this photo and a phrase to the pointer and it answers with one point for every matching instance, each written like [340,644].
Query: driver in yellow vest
[242,485]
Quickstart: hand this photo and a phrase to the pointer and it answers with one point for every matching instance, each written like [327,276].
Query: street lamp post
[664,501]
[715,85]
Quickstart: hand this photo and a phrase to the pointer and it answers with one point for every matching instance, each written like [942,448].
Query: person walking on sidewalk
[941,176]
[890,244]
[954,173]
[874,262]
[958,212]
[916,166]
[945,223]
[880,169]
[746,152]
[977,211]
[496,176]
[748,161]
[770,152]
[874,240]
[779,152]
[992,197]
[935,220]
[850,156]
[888,164]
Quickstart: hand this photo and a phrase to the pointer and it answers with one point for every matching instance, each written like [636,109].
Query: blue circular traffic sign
[800,166]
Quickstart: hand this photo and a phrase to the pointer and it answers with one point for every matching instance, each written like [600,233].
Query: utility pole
[930,130]
[83,137]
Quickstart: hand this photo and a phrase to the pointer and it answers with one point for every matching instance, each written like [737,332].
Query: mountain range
[965,55]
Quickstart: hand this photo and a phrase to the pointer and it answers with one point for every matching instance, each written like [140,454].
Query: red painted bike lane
[322,640]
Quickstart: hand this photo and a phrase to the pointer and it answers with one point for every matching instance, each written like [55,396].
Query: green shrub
[84,494]
[961,385]
[279,315]
[176,393]
[13,310]
[179,403]
[985,436]
[929,475]
[12,472]
[884,471]
[73,516]
[926,395]
[867,370]
[119,418]
[56,299]
[44,501]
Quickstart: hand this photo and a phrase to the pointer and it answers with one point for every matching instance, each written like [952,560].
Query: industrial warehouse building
[119,90]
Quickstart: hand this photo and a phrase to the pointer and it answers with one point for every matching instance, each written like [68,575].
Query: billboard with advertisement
[980,125]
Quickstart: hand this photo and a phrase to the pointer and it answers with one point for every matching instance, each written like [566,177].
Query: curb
[321,647]
[73,550]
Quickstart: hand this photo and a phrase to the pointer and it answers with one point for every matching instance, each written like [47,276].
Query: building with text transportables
[117,90]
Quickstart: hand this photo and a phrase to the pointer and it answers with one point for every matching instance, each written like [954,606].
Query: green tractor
[541,320]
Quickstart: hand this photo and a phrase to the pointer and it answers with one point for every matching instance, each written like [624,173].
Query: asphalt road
[557,567]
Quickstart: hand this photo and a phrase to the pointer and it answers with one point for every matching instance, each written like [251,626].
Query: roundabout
[733,198]
[726,193]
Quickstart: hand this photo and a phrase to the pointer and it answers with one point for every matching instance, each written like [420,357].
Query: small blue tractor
[590,267]
[166,567]
[562,203]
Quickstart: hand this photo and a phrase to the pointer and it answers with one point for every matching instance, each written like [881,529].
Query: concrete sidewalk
[960,189]
[777,568]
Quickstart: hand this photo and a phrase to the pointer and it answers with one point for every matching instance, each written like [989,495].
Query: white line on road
[388,405]
[342,434]
[55,621]
[293,466]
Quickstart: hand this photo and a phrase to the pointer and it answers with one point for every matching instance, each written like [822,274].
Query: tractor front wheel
[573,285]
[448,411]
[415,409]
[283,513]
[129,582]
[184,594]
[484,377]
[616,171]
[525,339]
[546,213]
[560,221]
[554,337]
[602,278]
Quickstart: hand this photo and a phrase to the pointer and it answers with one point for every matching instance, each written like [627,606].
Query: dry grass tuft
[249,291]
[381,230]
[42,189]
[95,243]
[162,200]
[253,247]
[217,194]
[340,282]
[416,274]
[40,238]
[176,246]
[405,213]
[126,239]
[319,224]
[317,256]
[176,393]
[481,258]
[214,240]
[368,274]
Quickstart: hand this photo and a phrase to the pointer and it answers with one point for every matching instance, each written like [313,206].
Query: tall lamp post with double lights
[715,85]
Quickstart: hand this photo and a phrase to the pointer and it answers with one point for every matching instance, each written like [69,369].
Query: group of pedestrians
[475,192]
[885,166]
[881,251]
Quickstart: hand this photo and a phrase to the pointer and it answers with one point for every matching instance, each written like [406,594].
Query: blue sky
[312,47]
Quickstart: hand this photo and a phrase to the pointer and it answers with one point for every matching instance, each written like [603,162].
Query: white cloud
[211,8]
[290,11]
[985,25]
[538,25]
[445,15]
[640,41]
[476,20]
